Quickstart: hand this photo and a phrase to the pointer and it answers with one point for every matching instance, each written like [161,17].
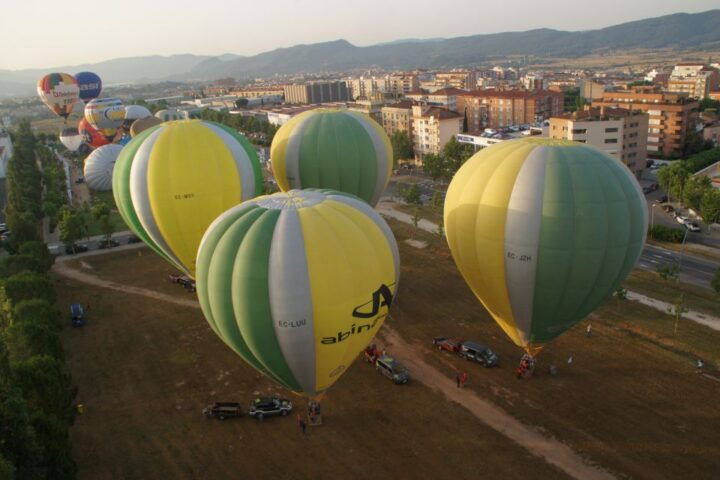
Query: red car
[449,344]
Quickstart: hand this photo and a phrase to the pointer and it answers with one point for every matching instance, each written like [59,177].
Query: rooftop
[439,113]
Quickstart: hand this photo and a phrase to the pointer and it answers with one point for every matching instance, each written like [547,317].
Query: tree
[620,295]
[17,437]
[401,145]
[695,189]
[437,201]
[668,271]
[710,206]
[26,286]
[23,225]
[678,309]
[436,166]
[416,219]
[411,195]
[440,230]
[672,178]
[715,282]
[71,226]
[39,251]
[456,154]
[12,264]
[106,226]
[465,122]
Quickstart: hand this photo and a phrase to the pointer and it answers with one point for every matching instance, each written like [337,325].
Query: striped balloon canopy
[105,115]
[99,165]
[543,231]
[59,91]
[332,148]
[171,181]
[298,283]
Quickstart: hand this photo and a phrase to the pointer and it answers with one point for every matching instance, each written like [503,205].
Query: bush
[666,234]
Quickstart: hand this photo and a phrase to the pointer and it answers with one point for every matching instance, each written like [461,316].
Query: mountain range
[698,31]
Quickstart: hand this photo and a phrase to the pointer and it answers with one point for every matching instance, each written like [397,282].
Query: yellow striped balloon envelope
[298,283]
[171,181]
[543,231]
[332,148]
[105,115]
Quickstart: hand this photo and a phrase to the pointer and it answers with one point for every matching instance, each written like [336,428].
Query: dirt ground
[630,401]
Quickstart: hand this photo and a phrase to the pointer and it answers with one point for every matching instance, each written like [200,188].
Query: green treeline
[36,391]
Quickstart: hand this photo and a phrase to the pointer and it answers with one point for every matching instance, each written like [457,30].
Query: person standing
[457,380]
[301,424]
[463,379]
[588,330]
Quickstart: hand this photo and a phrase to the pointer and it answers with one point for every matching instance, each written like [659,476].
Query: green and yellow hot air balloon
[298,283]
[543,231]
[332,148]
[171,181]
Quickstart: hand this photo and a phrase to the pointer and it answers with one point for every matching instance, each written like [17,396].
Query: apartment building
[695,79]
[397,117]
[432,128]
[402,83]
[591,90]
[672,115]
[502,108]
[316,92]
[462,79]
[259,92]
[445,97]
[370,107]
[366,86]
[618,132]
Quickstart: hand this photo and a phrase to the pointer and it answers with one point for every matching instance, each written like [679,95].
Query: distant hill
[697,31]
[682,30]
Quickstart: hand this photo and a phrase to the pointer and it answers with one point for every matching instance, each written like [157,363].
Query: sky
[48,33]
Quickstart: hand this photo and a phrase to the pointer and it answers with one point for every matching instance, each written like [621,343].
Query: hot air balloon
[71,138]
[543,231]
[171,181]
[168,115]
[106,115]
[331,148]
[90,85]
[143,124]
[99,166]
[91,136]
[59,91]
[298,283]
[135,112]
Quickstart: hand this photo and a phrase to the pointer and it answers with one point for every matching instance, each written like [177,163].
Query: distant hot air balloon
[90,85]
[106,115]
[168,115]
[124,139]
[298,283]
[332,148]
[543,231]
[99,166]
[143,124]
[71,138]
[171,181]
[135,112]
[90,135]
[59,91]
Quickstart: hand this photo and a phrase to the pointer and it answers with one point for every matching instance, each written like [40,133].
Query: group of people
[526,367]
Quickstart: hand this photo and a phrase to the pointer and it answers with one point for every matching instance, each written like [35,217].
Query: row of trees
[36,391]
[695,192]
[54,182]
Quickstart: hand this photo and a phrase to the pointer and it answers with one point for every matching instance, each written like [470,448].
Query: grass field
[630,402]
[54,125]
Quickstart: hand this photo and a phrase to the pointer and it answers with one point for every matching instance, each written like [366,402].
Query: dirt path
[65,270]
[550,449]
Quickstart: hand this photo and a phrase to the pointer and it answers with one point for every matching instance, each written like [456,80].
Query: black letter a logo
[387,298]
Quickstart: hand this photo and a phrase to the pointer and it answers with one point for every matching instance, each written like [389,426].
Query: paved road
[693,270]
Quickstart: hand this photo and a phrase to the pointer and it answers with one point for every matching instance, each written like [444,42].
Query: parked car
[3,228]
[681,219]
[134,239]
[479,353]
[77,315]
[449,344]
[662,199]
[263,407]
[668,208]
[391,368]
[74,248]
[102,244]
[80,180]
[223,410]
[692,226]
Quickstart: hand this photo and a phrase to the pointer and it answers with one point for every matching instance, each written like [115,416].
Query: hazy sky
[47,33]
